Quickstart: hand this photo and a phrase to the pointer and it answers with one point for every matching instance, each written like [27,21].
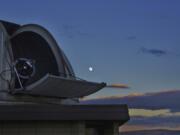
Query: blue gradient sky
[135,42]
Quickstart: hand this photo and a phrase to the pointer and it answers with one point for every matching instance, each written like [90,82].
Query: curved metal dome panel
[5,59]
[36,29]
[35,43]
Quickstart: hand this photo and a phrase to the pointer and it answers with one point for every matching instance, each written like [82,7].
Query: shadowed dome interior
[37,65]
[31,45]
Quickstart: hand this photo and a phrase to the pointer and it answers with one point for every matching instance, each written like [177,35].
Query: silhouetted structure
[39,90]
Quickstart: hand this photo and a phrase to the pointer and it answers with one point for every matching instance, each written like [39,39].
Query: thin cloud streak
[158,100]
[71,31]
[149,110]
[133,128]
[118,86]
[131,38]
[152,113]
[153,51]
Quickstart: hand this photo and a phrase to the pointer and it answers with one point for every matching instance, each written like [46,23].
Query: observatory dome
[32,63]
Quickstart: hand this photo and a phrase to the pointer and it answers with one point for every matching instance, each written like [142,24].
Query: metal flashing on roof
[55,86]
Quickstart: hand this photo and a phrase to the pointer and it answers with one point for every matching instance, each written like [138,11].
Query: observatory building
[39,91]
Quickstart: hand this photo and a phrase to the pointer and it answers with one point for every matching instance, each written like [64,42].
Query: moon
[90,69]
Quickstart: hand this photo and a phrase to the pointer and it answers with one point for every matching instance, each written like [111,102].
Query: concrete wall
[52,128]
[42,128]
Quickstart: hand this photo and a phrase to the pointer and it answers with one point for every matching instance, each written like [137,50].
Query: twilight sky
[135,42]
[157,110]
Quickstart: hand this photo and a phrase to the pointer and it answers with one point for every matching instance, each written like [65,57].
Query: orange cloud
[127,128]
[152,113]
[118,86]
